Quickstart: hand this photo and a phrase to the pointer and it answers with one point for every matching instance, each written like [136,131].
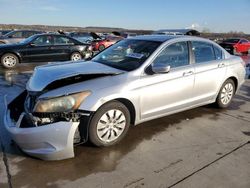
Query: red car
[101,44]
[236,45]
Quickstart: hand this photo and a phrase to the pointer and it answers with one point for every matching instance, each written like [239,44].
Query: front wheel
[226,94]
[109,124]
[76,56]
[9,60]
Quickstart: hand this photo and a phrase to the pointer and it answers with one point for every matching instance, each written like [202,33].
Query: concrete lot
[203,147]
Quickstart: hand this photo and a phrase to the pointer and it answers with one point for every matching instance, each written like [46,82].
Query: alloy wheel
[9,61]
[227,93]
[111,125]
[76,57]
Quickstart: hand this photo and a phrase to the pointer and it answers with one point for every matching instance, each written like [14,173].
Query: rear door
[210,70]
[62,48]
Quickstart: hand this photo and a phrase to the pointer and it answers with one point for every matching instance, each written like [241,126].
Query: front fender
[94,102]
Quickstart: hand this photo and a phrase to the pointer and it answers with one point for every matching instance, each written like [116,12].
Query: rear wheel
[9,60]
[109,124]
[226,94]
[76,56]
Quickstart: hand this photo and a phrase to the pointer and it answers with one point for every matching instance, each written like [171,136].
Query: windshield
[28,40]
[232,40]
[128,54]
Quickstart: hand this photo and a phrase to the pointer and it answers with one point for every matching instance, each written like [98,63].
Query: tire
[101,48]
[75,56]
[9,60]
[105,130]
[226,94]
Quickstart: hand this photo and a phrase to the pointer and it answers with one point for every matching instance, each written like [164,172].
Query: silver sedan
[133,81]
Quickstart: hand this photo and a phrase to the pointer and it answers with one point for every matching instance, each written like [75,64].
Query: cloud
[50,8]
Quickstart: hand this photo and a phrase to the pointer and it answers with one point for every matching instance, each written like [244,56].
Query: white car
[133,81]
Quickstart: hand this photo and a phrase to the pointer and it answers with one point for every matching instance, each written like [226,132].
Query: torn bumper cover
[53,141]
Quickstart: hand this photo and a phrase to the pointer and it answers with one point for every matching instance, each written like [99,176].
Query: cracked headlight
[61,104]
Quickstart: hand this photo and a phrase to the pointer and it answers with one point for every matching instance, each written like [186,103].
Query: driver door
[165,93]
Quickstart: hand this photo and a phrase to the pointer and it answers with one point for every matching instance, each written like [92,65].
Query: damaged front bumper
[53,141]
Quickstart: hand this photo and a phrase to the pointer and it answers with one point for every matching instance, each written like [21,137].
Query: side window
[174,55]
[218,53]
[18,34]
[58,40]
[27,34]
[43,40]
[243,41]
[203,52]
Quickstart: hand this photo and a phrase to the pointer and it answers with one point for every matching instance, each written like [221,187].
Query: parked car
[236,45]
[101,44]
[84,37]
[133,81]
[17,36]
[128,35]
[44,48]
[177,32]
[4,32]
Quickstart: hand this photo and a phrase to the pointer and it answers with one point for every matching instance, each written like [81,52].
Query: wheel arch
[130,107]
[75,51]
[235,80]
[13,52]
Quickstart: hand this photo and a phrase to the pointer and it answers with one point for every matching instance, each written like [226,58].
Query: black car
[17,36]
[4,32]
[43,48]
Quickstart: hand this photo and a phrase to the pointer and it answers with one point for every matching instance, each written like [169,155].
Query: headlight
[90,48]
[61,104]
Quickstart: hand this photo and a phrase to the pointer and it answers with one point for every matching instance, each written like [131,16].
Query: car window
[175,55]
[27,34]
[60,40]
[17,34]
[203,52]
[43,40]
[218,53]
[243,41]
[127,54]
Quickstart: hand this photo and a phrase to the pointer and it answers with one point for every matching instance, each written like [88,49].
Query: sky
[212,15]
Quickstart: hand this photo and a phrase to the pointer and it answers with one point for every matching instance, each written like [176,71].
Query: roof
[157,38]
[179,31]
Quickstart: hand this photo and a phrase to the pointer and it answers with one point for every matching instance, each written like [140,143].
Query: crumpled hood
[45,75]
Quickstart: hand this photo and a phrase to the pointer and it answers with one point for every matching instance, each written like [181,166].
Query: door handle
[188,73]
[220,65]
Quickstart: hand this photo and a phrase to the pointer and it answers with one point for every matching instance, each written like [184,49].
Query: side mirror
[160,68]
[32,44]
[10,36]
